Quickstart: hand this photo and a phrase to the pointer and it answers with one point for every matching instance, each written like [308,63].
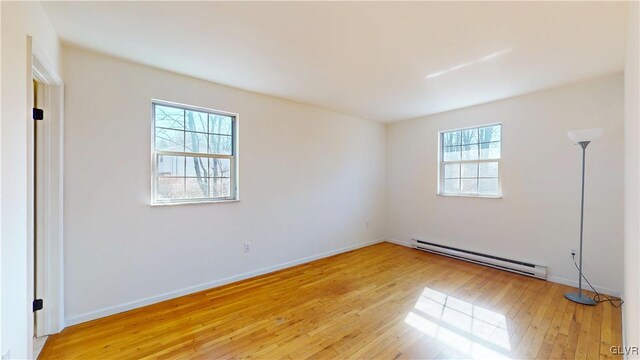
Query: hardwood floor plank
[551,337]
[380,302]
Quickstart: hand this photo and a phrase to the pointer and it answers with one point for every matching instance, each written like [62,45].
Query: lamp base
[580,298]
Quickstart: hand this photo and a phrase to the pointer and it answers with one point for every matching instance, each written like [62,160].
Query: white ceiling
[384,61]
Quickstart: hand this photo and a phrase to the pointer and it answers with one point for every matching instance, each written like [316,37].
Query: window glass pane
[194,133]
[196,121]
[220,167]
[220,144]
[197,166]
[469,170]
[169,140]
[451,153]
[490,133]
[170,188]
[469,186]
[170,165]
[488,186]
[451,186]
[488,169]
[451,171]
[220,124]
[469,136]
[169,117]
[195,142]
[462,153]
[197,188]
[490,150]
[470,152]
[451,138]
[220,187]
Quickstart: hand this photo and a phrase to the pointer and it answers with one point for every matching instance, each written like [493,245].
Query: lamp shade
[584,135]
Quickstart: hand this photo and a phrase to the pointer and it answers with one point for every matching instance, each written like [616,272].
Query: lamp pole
[578,297]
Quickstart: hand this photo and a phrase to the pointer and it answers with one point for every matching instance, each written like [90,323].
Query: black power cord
[598,298]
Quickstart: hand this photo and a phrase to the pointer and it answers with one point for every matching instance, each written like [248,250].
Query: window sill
[194,202]
[472,196]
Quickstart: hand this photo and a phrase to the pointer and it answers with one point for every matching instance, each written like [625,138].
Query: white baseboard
[398,242]
[555,279]
[585,286]
[193,289]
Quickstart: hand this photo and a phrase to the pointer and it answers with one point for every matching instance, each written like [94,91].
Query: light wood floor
[380,302]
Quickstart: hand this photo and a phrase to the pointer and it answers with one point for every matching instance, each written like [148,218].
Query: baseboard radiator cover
[515,266]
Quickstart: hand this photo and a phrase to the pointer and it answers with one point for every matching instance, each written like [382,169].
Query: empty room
[307,179]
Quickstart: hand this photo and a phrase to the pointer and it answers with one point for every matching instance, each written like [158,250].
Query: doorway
[38,206]
[45,197]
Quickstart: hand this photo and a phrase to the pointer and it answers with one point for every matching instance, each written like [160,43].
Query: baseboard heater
[518,267]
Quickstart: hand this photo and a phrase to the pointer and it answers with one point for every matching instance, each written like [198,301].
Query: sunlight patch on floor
[468,328]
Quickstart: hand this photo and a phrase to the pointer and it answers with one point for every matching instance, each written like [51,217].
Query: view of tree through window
[470,161]
[194,155]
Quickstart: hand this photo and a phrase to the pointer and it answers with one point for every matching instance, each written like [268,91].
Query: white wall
[310,180]
[632,180]
[537,219]
[19,19]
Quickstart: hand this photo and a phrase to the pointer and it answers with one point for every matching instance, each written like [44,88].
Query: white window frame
[441,164]
[234,157]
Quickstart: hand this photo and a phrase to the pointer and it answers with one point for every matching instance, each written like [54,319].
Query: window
[194,154]
[470,161]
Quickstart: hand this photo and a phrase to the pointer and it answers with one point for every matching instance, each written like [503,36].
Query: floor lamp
[582,138]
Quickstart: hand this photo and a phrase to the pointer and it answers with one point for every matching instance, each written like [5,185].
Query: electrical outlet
[247,247]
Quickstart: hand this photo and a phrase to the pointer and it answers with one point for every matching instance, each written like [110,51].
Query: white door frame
[51,279]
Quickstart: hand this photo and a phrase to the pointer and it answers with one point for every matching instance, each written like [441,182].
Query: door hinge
[38,114]
[37,304]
